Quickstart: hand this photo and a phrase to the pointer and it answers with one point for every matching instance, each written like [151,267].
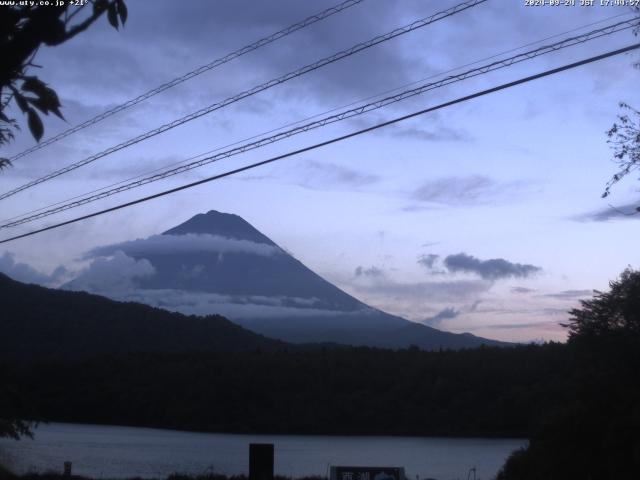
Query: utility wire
[568,42]
[333,140]
[297,122]
[194,73]
[257,89]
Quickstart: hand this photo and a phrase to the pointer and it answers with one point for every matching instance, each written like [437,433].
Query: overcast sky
[483,217]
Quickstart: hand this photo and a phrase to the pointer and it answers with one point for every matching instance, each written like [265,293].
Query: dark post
[261,461]
[67,469]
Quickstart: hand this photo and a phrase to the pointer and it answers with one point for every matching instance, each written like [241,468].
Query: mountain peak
[226,225]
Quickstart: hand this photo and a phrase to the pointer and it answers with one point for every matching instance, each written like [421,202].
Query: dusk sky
[485,217]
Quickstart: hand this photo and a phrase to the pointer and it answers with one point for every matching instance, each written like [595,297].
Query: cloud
[418,300]
[372,271]
[230,306]
[464,191]
[429,244]
[189,243]
[439,134]
[539,311]
[456,290]
[114,274]
[444,314]
[27,274]
[630,211]
[570,294]
[474,306]
[328,175]
[493,269]
[192,272]
[522,290]
[207,30]
[517,326]
[428,260]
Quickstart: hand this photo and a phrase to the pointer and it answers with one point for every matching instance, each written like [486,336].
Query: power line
[257,89]
[333,140]
[297,122]
[497,65]
[334,109]
[193,73]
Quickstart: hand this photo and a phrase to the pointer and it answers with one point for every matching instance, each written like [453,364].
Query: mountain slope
[219,263]
[38,321]
[221,224]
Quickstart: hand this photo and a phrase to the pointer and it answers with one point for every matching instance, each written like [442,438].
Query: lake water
[124,452]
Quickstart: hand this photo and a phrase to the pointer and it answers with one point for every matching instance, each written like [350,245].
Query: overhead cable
[257,89]
[193,73]
[334,109]
[344,115]
[331,141]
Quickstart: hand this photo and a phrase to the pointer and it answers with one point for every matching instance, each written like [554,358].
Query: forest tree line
[577,402]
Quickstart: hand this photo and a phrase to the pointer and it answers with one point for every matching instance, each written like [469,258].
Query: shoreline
[281,434]
[129,452]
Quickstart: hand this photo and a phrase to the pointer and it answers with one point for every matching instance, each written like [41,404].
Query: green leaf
[34,85]
[50,97]
[56,111]
[21,101]
[53,32]
[100,6]
[122,11]
[112,16]
[4,163]
[53,96]
[47,100]
[35,124]
[39,103]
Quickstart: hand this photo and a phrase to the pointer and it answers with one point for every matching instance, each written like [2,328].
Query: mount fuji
[217,263]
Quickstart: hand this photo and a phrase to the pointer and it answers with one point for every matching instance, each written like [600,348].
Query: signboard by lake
[367,473]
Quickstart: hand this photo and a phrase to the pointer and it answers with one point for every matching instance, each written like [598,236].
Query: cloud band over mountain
[189,243]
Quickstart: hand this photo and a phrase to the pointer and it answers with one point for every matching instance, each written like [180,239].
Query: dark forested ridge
[43,322]
[40,322]
[579,403]
[487,391]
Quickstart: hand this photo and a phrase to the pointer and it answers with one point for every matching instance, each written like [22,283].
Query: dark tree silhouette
[593,432]
[624,138]
[617,310]
[23,30]
[13,408]
[15,428]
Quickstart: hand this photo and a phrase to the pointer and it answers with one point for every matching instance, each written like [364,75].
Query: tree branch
[81,27]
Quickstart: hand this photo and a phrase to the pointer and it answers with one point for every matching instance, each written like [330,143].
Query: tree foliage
[13,407]
[23,30]
[594,432]
[15,429]
[491,391]
[624,138]
[617,310]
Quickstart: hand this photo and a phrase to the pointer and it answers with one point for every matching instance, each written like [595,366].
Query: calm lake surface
[124,452]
